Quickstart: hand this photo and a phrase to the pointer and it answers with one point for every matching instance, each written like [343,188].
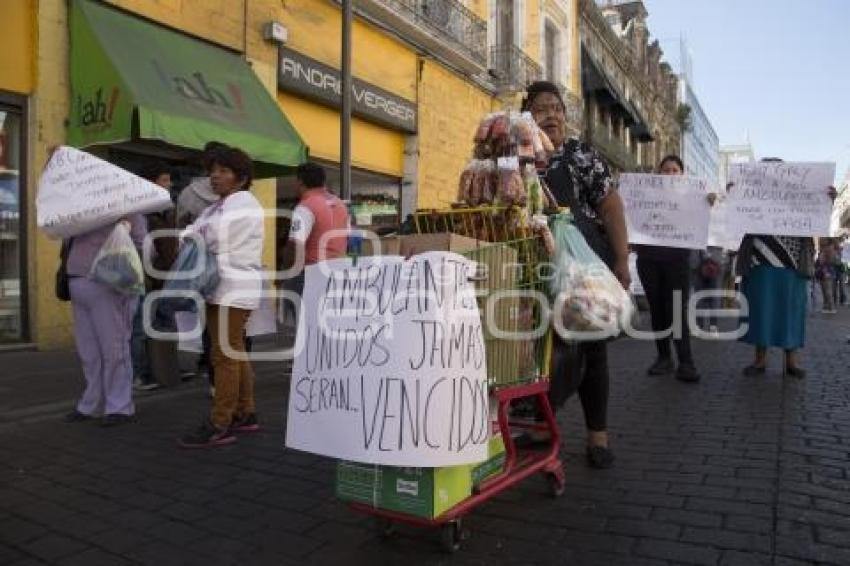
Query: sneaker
[186,375]
[152,386]
[116,419]
[662,366]
[207,436]
[76,417]
[248,423]
[687,373]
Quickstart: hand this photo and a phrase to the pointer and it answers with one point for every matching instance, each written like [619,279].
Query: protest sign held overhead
[390,366]
[839,223]
[666,210]
[78,193]
[780,198]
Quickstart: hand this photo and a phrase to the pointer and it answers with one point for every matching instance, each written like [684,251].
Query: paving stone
[678,552]
[722,538]
[51,547]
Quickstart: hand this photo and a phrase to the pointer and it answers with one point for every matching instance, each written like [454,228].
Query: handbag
[63,287]
[560,183]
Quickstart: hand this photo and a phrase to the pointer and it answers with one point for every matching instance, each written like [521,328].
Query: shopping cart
[510,283]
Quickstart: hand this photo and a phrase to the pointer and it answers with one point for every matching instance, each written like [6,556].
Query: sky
[777,71]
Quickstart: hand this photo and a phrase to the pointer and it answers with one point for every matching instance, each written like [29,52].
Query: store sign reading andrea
[390,365]
[310,78]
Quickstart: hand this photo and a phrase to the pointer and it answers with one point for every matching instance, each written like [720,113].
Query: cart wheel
[451,536]
[384,527]
[556,485]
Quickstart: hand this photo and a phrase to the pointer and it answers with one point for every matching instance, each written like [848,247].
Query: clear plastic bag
[590,303]
[118,264]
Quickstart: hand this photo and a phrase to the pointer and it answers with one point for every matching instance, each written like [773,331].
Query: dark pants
[709,284]
[660,281]
[581,367]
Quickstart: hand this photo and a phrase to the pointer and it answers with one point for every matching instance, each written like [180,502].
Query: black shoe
[600,457]
[662,366]
[687,373]
[76,417]
[792,371]
[116,419]
[207,436]
[754,370]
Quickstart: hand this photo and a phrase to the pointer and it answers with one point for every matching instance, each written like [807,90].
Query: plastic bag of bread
[589,302]
[117,264]
[511,187]
[522,134]
[464,188]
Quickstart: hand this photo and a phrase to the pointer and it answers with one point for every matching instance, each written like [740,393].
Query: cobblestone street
[732,470]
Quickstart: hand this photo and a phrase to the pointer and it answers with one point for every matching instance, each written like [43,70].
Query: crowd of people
[116,352]
[219,209]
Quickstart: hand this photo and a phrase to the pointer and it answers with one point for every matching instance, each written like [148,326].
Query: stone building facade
[630,94]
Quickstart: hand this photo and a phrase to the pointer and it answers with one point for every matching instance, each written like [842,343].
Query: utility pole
[345,114]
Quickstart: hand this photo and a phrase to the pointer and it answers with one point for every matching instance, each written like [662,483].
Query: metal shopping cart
[510,281]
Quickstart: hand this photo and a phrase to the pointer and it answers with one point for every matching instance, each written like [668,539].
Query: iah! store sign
[97,109]
[310,78]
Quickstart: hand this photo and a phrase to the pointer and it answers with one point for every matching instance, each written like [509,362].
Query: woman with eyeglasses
[579,178]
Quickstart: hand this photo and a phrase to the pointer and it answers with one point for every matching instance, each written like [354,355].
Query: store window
[12,305]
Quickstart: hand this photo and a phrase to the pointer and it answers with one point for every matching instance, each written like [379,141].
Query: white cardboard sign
[839,223]
[78,193]
[390,366]
[780,198]
[666,210]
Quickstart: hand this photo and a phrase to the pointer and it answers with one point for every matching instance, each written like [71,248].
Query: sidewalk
[732,470]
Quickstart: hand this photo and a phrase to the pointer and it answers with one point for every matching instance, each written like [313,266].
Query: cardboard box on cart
[423,492]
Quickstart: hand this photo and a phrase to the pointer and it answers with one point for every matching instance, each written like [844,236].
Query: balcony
[511,69]
[444,28]
[613,149]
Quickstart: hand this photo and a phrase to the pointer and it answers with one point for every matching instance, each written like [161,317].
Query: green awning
[135,80]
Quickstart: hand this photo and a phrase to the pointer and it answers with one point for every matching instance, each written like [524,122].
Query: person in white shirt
[232,230]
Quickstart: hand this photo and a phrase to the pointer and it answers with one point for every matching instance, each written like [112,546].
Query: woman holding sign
[664,272]
[775,271]
[232,230]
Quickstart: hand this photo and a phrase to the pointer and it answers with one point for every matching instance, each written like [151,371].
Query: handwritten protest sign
[839,223]
[390,363]
[78,192]
[665,210]
[780,198]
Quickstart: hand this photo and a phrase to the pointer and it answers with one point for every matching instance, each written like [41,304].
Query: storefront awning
[134,80]
[595,81]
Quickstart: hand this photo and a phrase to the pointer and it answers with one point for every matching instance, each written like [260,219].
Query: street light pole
[345,115]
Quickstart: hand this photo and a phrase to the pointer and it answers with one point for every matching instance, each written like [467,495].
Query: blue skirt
[777,300]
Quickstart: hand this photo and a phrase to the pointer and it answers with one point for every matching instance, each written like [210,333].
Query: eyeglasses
[551,108]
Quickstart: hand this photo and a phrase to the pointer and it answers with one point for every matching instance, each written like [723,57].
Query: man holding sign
[667,216]
[787,203]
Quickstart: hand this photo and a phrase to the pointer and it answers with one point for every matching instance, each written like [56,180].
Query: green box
[423,492]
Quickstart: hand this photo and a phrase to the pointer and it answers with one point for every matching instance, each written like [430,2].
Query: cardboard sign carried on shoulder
[78,193]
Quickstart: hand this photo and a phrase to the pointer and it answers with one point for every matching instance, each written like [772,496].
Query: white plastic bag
[118,264]
[590,303]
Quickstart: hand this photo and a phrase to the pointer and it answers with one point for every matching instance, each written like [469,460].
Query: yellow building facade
[407,68]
